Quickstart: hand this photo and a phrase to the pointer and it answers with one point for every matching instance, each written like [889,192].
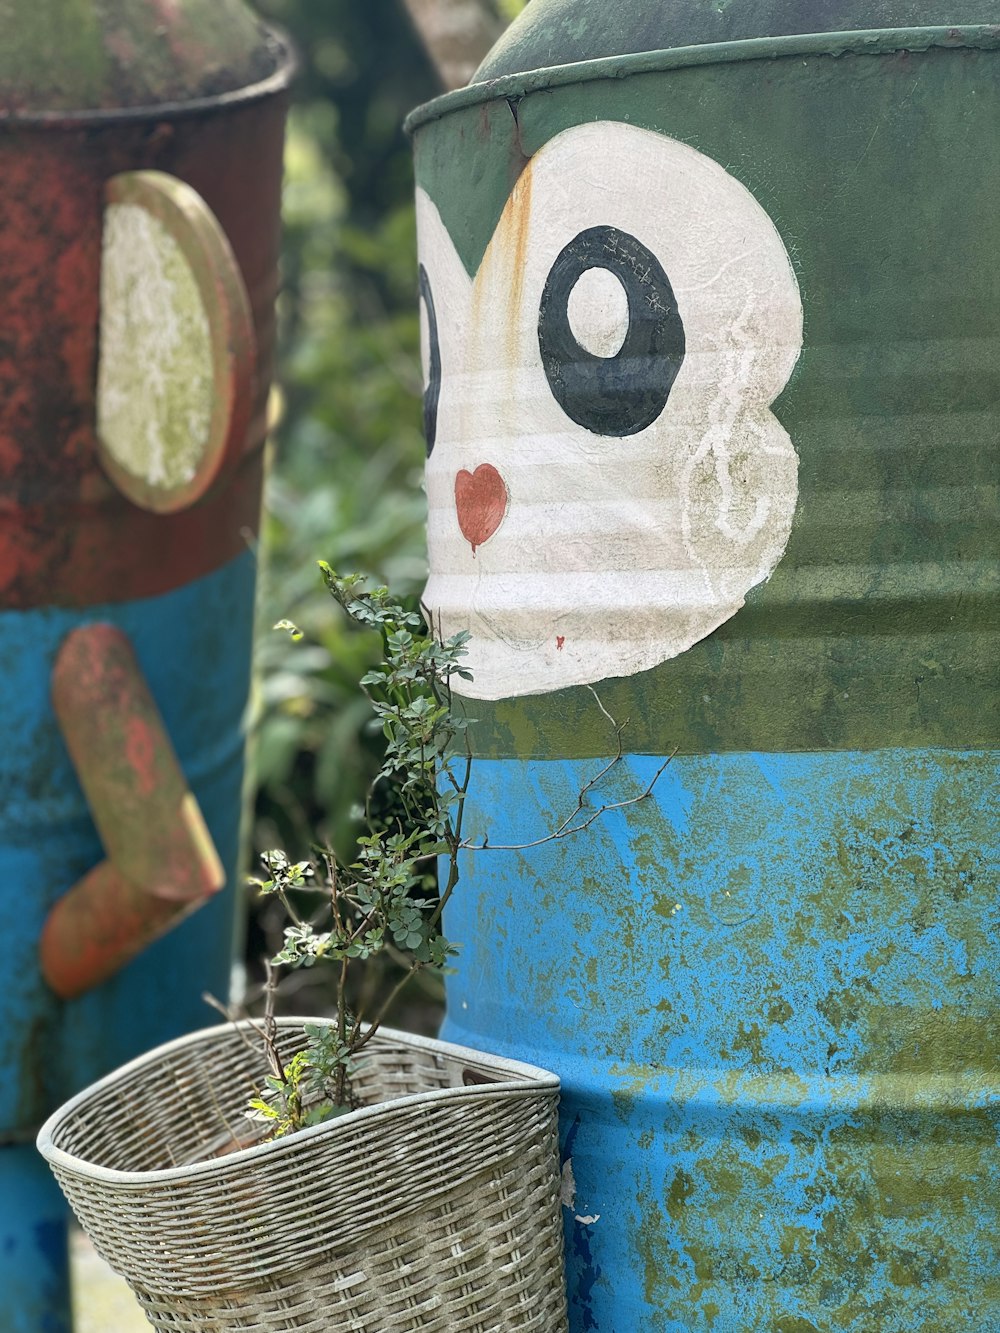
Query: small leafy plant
[387,898]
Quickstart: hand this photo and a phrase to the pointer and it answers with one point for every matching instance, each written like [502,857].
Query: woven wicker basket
[434,1206]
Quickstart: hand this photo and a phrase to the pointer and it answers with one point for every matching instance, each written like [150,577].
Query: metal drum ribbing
[713,328]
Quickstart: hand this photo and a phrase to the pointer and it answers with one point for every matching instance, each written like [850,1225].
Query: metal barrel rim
[875,41]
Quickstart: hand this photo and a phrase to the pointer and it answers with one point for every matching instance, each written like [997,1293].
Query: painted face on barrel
[605,477]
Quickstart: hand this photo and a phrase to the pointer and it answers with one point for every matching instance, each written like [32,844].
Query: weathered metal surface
[564,32]
[770,995]
[73,550]
[67,535]
[770,988]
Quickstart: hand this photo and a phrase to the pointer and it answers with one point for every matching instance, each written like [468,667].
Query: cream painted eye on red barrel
[175,377]
[605,477]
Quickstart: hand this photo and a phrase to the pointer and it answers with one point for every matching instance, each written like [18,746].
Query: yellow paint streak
[515,224]
[495,307]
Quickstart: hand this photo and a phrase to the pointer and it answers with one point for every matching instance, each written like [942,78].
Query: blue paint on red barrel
[194,647]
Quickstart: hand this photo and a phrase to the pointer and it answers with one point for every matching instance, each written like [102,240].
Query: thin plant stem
[376,903]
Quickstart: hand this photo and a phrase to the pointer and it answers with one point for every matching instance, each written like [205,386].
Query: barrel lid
[107,55]
[551,33]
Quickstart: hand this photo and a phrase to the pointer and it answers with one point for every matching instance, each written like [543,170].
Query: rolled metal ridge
[875,41]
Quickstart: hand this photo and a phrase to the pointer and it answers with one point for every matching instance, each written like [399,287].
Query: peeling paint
[568,1185]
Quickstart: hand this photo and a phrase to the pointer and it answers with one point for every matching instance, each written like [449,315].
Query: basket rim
[527,1080]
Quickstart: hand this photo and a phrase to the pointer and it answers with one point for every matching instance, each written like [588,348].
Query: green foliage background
[345,483]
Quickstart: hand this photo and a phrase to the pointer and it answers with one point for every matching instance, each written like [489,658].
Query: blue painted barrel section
[194,646]
[769,991]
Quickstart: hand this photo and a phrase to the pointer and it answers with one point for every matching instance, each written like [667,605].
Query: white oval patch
[175,371]
[156,371]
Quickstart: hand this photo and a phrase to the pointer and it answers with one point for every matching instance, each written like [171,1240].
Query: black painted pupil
[621,394]
[433,390]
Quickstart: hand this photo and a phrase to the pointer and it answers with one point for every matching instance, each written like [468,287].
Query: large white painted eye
[608,479]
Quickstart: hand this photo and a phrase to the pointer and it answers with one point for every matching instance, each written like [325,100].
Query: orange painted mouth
[481,499]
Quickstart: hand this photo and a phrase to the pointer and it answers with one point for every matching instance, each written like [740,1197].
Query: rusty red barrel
[140,153]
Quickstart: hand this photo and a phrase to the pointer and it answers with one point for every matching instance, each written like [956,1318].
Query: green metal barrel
[711,308]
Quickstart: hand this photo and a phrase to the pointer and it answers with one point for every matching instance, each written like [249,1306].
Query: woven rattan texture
[439,1214]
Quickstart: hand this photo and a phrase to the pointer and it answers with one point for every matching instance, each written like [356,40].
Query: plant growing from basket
[386,898]
[438,1200]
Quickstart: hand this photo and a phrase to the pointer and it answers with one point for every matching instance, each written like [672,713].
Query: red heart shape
[481,500]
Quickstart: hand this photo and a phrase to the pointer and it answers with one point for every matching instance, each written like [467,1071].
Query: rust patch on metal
[513,235]
[161,860]
[67,536]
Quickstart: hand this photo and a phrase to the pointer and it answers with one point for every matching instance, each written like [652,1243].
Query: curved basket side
[318,1198]
[165,1110]
[485,1255]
